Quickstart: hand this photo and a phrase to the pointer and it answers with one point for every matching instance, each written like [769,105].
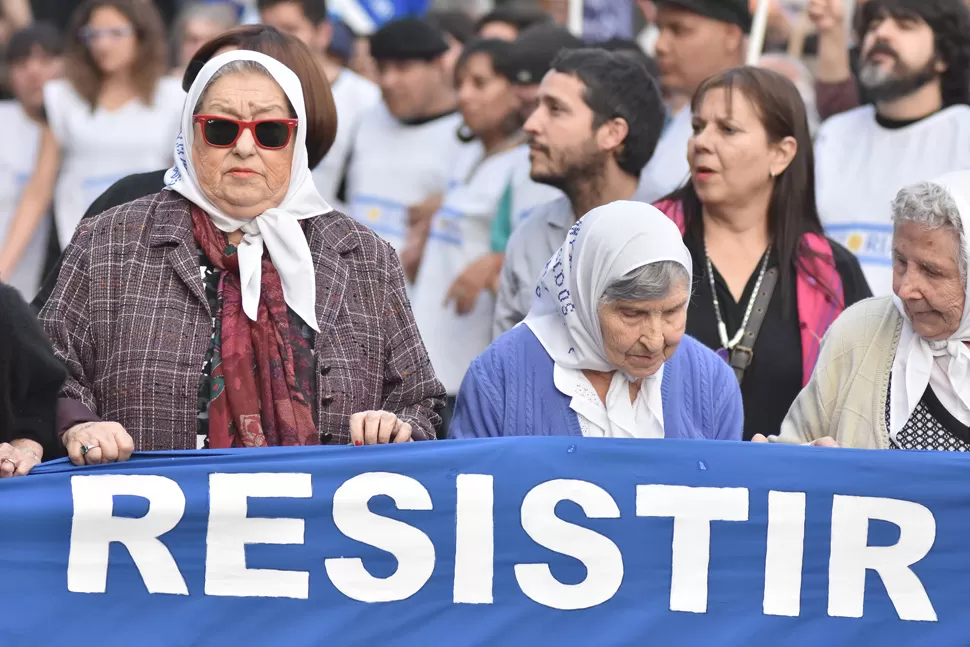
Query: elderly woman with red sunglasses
[235,308]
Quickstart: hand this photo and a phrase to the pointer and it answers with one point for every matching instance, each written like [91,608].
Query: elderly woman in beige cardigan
[894,372]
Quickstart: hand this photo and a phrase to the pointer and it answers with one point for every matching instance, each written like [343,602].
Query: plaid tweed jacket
[130,319]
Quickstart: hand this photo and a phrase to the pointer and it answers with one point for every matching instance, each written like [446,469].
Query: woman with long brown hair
[768,284]
[115,113]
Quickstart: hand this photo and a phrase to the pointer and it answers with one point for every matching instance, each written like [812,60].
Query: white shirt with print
[860,166]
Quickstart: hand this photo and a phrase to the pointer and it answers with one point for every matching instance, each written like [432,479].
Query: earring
[771,174]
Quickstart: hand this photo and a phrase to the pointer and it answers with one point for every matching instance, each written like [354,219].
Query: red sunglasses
[224,132]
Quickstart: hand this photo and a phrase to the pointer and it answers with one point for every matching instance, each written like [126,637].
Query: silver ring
[86,448]
[8,460]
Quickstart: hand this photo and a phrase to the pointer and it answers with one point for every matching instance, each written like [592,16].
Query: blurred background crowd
[471,136]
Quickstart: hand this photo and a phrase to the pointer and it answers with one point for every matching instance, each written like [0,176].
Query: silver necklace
[729,344]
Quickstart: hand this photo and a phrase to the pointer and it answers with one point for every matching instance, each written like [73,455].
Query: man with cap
[914,58]
[528,62]
[33,57]
[352,93]
[697,38]
[599,119]
[406,146]
[529,59]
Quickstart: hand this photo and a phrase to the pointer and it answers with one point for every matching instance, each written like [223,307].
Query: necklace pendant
[724,354]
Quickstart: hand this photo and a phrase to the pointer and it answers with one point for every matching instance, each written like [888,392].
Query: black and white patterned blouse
[210,279]
[931,427]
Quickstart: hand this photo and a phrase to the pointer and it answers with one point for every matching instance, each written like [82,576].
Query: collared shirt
[530,247]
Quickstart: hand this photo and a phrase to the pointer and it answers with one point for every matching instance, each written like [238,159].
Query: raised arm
[34,202]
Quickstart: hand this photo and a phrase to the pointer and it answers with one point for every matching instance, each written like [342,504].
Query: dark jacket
[30,376]
[130,318]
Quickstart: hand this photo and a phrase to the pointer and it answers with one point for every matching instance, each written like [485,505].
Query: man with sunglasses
[405,147]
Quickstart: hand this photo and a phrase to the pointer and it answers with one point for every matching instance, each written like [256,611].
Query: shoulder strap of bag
[743,353]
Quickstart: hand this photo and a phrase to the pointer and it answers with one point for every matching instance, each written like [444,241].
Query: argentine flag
[367,16]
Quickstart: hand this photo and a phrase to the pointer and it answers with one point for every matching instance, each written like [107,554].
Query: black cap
[734,12]
[532,53]
[408,39]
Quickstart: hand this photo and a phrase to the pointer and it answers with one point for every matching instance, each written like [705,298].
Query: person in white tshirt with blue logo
[353,95]
[33,57]
[406,148]
[115,113]
[457,327]
[914,60]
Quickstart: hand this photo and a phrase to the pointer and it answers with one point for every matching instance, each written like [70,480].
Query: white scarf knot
[277,230]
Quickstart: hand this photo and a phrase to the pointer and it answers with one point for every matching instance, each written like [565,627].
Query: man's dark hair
[618,87]
[950,22]
[314,10]
[40,34]
[631,48]
[519,17]
[457,24]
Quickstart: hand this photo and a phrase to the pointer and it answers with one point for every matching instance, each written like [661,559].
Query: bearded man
[914,60]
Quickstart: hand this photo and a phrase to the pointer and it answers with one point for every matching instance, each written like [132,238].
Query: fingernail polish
[358,443]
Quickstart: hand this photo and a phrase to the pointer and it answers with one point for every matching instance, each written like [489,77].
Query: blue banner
[519,541]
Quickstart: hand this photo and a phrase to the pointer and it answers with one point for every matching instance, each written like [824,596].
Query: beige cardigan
[846,396]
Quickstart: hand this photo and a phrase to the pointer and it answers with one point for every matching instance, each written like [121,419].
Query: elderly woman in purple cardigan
[603,351]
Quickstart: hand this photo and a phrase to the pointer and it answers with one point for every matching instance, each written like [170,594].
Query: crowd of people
[488,227]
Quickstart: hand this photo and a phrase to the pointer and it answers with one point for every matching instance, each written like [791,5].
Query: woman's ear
[782,153]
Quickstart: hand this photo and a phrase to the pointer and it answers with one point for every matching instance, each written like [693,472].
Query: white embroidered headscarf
[277,229]
[944,364]
[606,244]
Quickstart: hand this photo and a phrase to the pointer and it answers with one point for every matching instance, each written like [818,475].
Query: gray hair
[241,66]
[651,282]
[931,206]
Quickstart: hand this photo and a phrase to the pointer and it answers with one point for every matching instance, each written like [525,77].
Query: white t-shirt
[17,158]
[860,166]
[100,147]
[396,165]
[353,95]
[667,169]
[460,234]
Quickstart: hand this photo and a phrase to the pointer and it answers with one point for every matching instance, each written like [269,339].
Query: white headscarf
[944,364]
[605,245]
[278,229]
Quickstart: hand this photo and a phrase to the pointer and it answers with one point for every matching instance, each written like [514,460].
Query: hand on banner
[18,457]
[824,441]
[378,428]
[96,443]
[827,14]
[482,274]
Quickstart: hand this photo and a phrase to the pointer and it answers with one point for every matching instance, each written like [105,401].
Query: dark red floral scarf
[262,371]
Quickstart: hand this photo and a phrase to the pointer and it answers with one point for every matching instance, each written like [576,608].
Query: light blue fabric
[509,391]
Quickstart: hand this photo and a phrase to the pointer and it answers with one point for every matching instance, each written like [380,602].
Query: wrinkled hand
[18,457]
[378,428]
[482,274]
[827,14]
[96,443]
[824,441]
